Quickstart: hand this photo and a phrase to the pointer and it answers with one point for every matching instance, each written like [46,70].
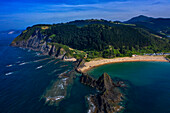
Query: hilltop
[159,25]
[91,39]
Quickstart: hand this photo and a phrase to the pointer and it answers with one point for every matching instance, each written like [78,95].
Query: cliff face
[107,101]
[36,42]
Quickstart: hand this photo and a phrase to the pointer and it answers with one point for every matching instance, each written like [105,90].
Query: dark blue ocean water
[24,77]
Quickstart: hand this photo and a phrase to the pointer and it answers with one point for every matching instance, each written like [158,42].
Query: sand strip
[95,63]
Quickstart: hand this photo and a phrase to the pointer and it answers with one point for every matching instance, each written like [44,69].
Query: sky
[19,14]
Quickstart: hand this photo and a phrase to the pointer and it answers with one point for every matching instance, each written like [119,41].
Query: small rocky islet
[109,96]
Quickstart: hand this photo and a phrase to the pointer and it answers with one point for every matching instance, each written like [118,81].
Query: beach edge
[96,63]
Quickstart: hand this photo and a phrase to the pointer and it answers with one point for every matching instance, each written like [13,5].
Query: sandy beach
[95,63]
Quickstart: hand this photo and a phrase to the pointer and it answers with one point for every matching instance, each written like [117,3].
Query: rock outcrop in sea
[108,98]
[59,88]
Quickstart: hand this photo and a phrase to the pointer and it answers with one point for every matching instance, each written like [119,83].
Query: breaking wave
[9,73]
[23,63]
[9,65]
[54,98]
[39,67]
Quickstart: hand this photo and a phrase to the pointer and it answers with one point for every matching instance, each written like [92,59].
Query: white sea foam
[54,98]
[47,99]
[61,86]
[89,111]
[11,32]
[39,67]
[9,65]
[23,63]
[64,80]
[9,73]
[91,105]
[37,54]
[59,97]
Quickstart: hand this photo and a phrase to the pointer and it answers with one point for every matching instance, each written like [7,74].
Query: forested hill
[159,25]
[100,39]
[81,23]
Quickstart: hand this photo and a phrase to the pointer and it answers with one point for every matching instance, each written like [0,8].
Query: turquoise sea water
[149,89]
[25,75]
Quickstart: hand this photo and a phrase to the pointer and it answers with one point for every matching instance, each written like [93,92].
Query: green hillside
[101,39]
[159,25]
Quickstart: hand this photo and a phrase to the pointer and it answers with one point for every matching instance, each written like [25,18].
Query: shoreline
[95,63]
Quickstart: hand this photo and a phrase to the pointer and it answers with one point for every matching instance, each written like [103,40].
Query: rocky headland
[109,96]
[37,42]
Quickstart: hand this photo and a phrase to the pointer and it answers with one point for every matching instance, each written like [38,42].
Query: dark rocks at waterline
[80,63]
[109,96]
[88,80]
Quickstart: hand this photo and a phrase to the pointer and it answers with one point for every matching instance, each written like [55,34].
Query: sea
[148,85]
[26,75]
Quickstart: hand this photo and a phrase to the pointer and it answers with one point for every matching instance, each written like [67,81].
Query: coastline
[95,63]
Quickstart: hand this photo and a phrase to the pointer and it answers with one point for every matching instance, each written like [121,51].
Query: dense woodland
[159,25]
[101,40]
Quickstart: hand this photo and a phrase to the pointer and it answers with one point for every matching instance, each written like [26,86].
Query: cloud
[20,15]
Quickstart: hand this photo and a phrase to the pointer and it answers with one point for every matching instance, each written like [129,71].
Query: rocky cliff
[109,96]
[37,42]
